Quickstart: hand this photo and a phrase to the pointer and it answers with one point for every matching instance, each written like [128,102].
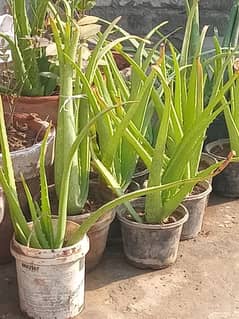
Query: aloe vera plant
[184,118]
[231,36]
[78,105]
[134,110]
[30,62]
[228,57]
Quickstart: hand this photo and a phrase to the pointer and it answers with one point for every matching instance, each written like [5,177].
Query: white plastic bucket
[51,282]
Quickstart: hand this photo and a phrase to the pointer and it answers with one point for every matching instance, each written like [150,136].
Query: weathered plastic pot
[148,245]
[26,162]
[225,184]
[98,235]
[217,130]
[206,161]
[45,106]
[196,205]
[51,282]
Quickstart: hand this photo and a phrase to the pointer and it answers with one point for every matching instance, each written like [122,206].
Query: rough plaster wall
[140,16]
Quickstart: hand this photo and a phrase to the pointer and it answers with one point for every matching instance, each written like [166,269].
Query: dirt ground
[203,284]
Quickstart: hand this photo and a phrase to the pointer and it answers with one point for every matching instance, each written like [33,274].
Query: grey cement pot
[148,245]
[225,184]
[196,205]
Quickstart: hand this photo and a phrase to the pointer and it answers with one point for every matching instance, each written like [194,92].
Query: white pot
[51,282]
[26,161]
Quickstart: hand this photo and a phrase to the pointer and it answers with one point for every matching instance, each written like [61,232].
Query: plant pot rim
[59,255]
[30,98]
[141,173]
[213,144]
[181,209]
[107,217]
[35,146]
[206,155]
[207,190]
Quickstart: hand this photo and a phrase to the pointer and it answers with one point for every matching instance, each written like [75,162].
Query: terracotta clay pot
[45,106]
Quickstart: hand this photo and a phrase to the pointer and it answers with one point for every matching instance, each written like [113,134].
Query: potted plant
[226,184]
[40,247]
[188,95]
[32,86]
[218,129]
[24,138]
[197,201]
[37,246]
[183,119]
[119,152]
[80,100]
[73,115]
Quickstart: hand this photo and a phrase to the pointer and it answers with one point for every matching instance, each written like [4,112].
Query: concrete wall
[139,16]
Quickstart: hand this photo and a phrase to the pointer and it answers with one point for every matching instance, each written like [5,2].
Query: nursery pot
[24,161]
[206,161]
[196,205]
[148,245]
[217,129]
[98,235]
[51,282]
[226,183]
[45,106]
